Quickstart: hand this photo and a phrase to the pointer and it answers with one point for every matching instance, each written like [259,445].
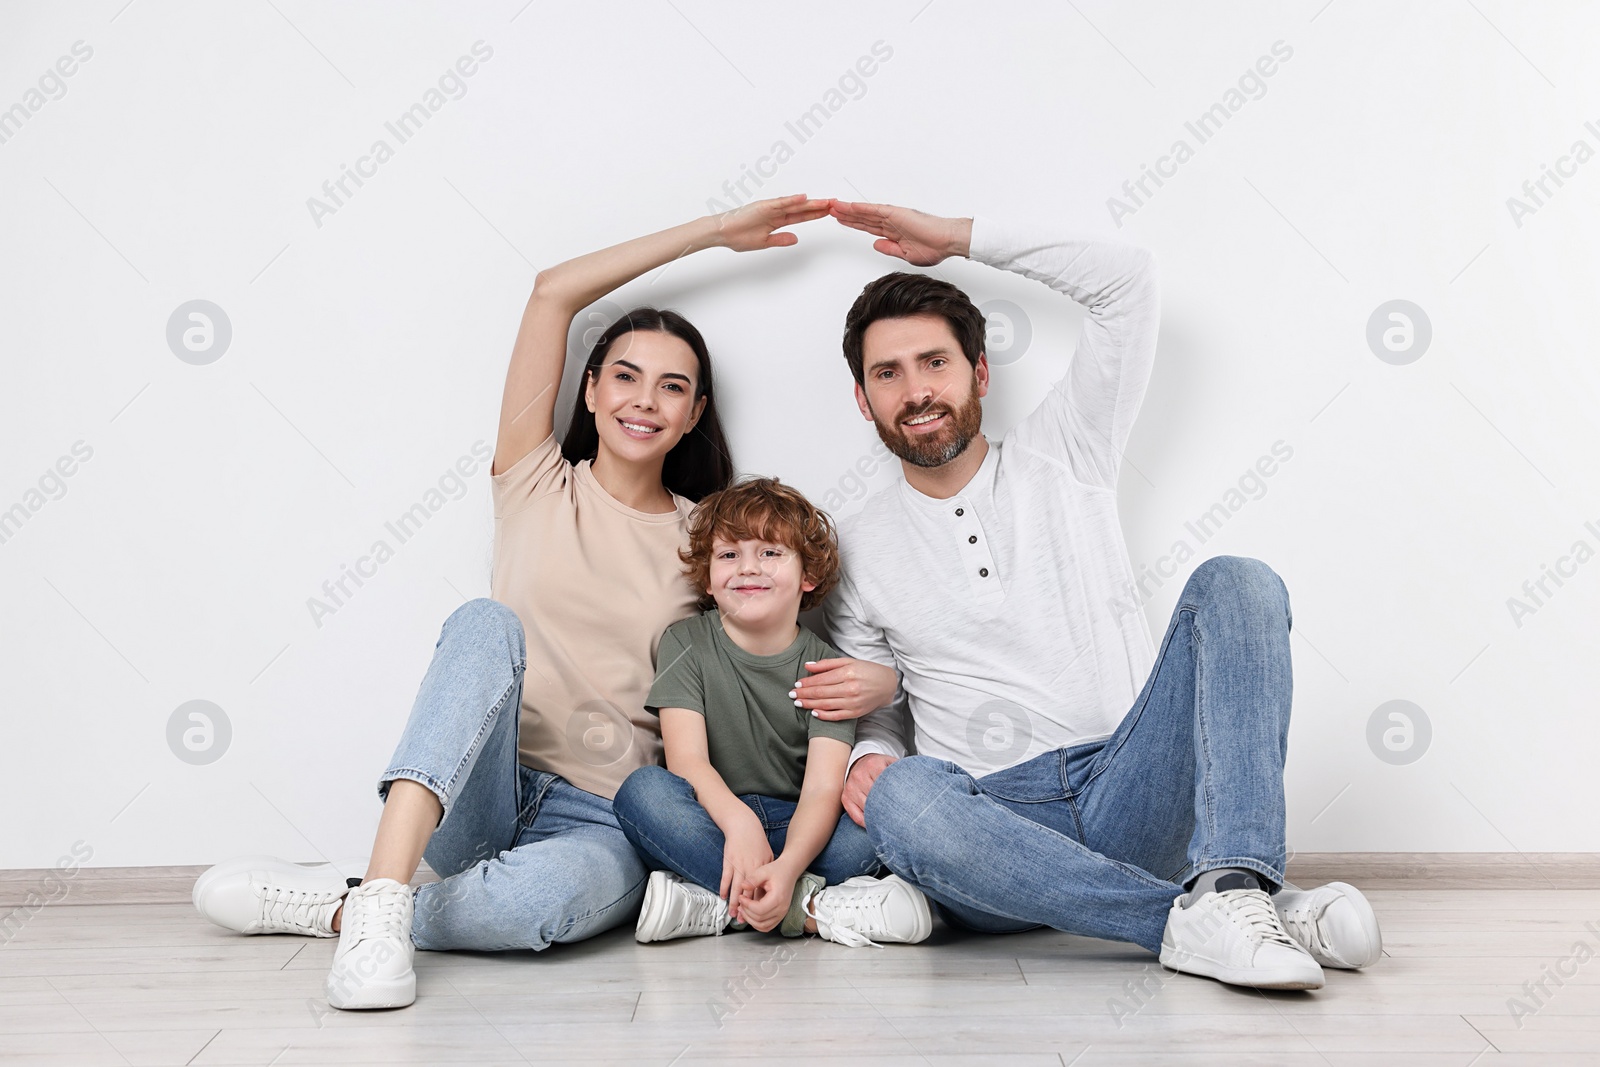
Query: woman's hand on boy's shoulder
[845,688]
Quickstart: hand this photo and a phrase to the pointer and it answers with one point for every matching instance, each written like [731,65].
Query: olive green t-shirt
[755,735]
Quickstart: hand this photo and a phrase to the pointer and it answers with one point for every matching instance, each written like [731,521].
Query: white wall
[368,351]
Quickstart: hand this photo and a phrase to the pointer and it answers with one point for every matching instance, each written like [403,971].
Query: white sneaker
[372,965]
[1236,937]
[674,907]
[1333,922]
[865,910]
[266,895]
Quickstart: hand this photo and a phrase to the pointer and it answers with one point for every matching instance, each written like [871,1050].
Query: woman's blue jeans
[525,857]
[1099,838]
[659,813]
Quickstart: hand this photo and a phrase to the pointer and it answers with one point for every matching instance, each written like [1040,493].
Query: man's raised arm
[1085,420]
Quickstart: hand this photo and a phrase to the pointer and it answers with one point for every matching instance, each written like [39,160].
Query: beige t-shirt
[595,584]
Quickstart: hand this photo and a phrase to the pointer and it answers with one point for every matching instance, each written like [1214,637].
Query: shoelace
[846,918]
[1302,926]
[1252,911]
[291,910]
[379,914]
[705,912]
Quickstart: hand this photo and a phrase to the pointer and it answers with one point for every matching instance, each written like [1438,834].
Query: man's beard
[943,445]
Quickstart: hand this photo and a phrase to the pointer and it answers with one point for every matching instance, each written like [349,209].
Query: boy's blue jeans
[1099,838]
[659,813]
[526,857]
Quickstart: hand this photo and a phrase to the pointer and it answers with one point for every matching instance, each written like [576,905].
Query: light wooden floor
[152,983]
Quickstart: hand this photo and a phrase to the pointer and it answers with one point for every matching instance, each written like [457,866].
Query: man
[1050,788]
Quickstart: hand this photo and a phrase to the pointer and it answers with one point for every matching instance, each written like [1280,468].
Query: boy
[745,824]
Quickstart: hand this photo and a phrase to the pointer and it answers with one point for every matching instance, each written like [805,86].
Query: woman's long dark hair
[699,464]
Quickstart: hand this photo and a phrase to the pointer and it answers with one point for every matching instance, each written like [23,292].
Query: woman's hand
[745,850]
[916,237]
[846,688]
[768,895]
[751,227]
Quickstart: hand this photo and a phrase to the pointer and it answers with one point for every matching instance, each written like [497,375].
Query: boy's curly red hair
[763,509]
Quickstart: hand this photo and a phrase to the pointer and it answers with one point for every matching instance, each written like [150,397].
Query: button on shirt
[1000,605]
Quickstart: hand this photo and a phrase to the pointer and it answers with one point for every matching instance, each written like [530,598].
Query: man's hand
[845,688]
[750,227]
[919,239]
[859,784]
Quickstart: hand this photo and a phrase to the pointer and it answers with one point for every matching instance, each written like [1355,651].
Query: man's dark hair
[898,295]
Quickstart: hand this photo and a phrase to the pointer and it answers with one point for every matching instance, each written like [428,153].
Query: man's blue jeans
[659,813]
[526,857]
[1099,838]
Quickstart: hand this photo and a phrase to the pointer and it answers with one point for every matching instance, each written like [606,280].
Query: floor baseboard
[1449,870]
[113,885]
[1369,870]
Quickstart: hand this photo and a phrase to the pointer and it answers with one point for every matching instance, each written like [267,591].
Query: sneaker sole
[1250,979]
[372,995]
[1359,924]
[924,920]
[649,928]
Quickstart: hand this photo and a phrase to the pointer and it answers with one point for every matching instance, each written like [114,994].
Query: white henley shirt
[996,605]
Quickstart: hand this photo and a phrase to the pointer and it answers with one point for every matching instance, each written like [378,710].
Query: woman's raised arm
[527,408]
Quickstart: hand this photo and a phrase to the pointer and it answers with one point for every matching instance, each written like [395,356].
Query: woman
[532,711]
